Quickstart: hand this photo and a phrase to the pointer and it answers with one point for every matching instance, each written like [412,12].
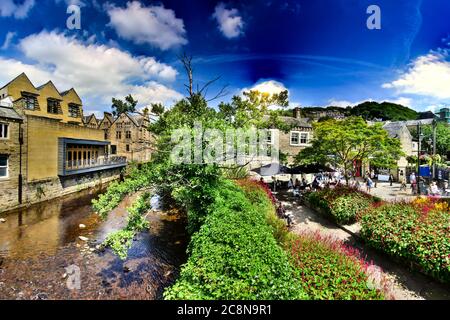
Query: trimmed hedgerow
[417,233]
[243,251]
[343,204]
[234,254]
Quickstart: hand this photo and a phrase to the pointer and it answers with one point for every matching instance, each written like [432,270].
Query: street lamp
[419,146]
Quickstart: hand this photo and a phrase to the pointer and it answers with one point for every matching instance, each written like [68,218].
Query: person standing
[290,184]
[391,179]
[369,184]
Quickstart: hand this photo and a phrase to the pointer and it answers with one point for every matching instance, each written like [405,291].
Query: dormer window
[74,110]
[30,102]
[53,106]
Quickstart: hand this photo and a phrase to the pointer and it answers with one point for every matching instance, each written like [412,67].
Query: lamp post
[419,146]
[434,147]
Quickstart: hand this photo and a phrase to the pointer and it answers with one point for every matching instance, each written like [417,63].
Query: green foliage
[442,138]
[157,108]
[349,140]
[118,106]
[417,235]
[118,190]
[234,254]
[343,204]
[250,109]
[120,241]
[371,110]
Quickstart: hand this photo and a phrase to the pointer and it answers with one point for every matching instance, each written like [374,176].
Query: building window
[299,138]
[128,148]
[119,135]
[74,111]
[29,102]
[269,136]
[3,131]
[106,135]
[52,106]
[3,166]
[304,138]
[113,149]
[295,138]
[128,134]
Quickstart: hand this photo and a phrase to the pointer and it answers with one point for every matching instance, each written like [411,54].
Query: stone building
[91,122]
[128,135]
[400,131]
[297,138]
[59,154]
[11,156]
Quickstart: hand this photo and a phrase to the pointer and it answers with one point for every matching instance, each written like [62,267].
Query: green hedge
[342,204]
[234,255]
[417,234]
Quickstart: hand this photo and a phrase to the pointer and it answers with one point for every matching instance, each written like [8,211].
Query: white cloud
[152,25]
[406,102]
[8,39]
[269,86]
[79,3]
[230,23]
[97,72]
[428,75]
[8,8]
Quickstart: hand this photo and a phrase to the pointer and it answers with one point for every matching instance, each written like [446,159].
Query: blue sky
[321,51]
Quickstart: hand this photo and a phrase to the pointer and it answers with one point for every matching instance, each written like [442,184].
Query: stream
[40,247]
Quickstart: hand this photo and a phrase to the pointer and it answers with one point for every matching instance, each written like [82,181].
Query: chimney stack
[297,113]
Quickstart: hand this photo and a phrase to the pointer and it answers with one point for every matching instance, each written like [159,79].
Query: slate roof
[9,113]
[302,122]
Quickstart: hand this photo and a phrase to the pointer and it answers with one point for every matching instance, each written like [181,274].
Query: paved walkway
[404,284]
[391,193]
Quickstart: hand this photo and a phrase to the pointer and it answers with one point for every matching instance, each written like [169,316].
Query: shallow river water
[39,243]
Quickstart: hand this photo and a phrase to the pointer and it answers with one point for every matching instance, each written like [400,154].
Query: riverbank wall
[48,189]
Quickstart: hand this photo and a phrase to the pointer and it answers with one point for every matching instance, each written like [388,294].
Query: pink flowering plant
[416,233]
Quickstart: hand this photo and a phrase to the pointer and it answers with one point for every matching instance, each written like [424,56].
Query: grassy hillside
[369,110]
[386,111]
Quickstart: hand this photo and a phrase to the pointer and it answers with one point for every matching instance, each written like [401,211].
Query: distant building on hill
[444,115]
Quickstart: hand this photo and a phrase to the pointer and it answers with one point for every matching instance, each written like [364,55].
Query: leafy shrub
[234,254]
[120,241]
[343,204]
[330,270]
[417,233]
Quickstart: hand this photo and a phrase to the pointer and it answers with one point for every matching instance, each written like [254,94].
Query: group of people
[433,189]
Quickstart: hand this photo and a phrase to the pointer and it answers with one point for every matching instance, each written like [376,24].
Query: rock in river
[83,238]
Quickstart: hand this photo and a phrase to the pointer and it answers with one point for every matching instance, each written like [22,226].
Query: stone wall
[42,190]
[9,195]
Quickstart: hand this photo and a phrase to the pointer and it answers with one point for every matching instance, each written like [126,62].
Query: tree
[118,106]
[157,108]
[250,109]
[352,139]
[442,138]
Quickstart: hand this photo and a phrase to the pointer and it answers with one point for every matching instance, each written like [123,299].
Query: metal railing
[92,163]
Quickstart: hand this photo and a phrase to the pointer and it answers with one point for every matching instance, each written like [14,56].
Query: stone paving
[404,284]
